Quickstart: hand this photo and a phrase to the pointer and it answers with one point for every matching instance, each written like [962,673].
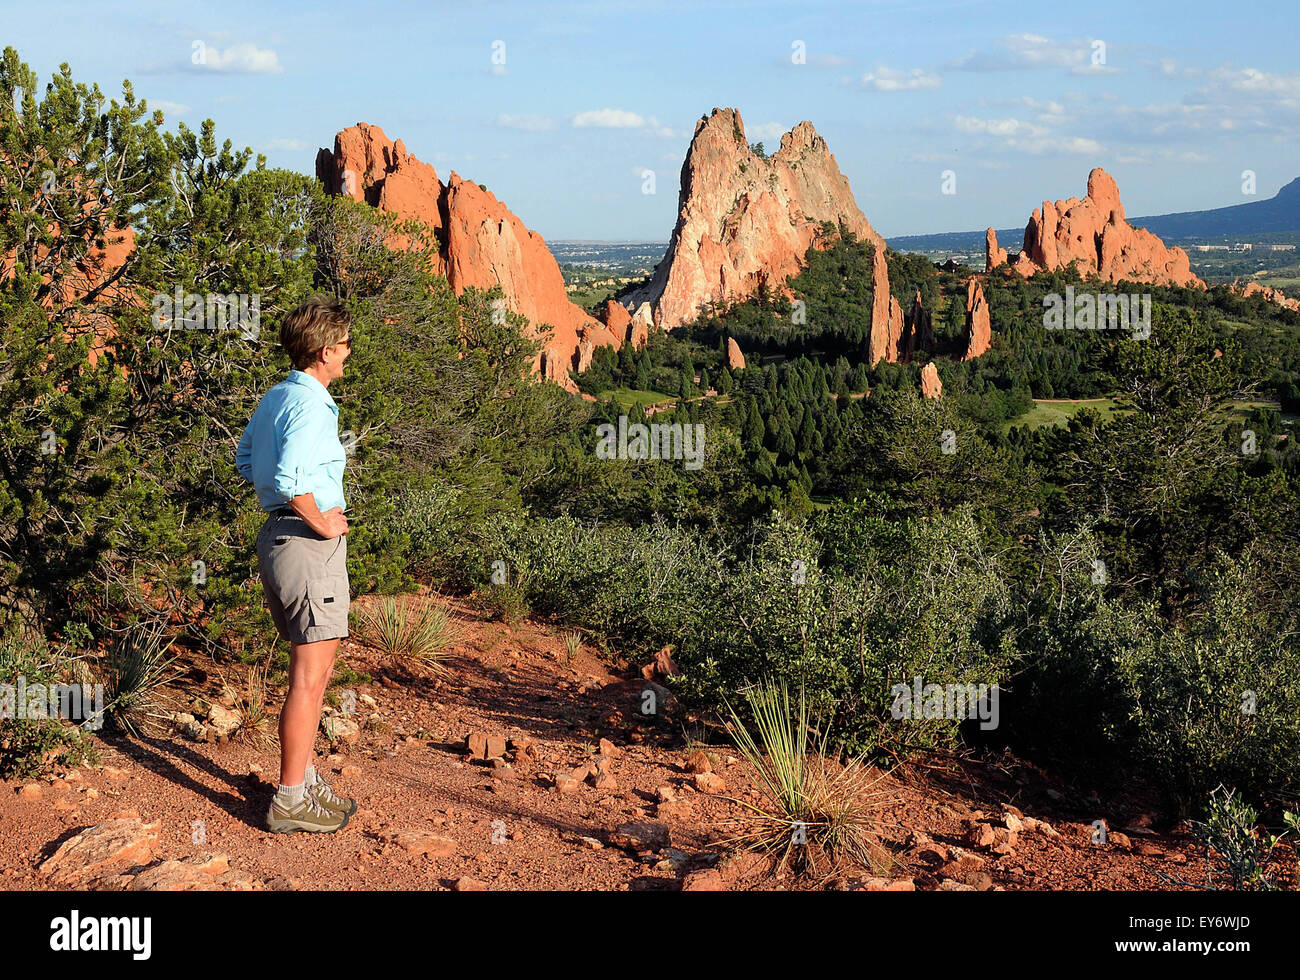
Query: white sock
[310,778]
[292,795]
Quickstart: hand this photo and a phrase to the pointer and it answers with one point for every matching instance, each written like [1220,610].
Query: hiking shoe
[330,800]
[307,815]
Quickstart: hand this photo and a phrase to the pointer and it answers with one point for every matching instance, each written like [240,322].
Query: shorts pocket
[329,601]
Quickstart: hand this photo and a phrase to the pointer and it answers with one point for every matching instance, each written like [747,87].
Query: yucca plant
[572,643]
[812,805]
[255,726]
[419,633]
[136,669]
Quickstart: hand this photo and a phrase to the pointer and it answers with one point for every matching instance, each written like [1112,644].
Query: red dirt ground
[508,828]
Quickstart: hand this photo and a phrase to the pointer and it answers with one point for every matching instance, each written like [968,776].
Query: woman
[291,453]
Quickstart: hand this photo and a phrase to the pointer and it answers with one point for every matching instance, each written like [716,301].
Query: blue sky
[1017,98]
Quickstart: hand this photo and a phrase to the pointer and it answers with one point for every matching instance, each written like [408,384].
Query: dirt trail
[430,817]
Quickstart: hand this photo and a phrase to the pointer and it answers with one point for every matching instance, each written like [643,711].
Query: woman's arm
[331,524]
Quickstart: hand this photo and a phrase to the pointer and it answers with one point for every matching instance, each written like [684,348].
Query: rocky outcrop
[895,328]
[979,331]
[103,849]
[735,359]
[931,386]
[918,330]
[993,256]
[1093,233]
[1268,292]
[639,333]
[886,315]
[745,221]
[480,243]
[616,318]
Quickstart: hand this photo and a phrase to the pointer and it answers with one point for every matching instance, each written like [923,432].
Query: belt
[285,512]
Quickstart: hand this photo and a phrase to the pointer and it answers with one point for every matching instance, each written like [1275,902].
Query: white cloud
[243,58]
[885,79]
[995,127]
[1172,68]
[623,119]
[1025,137]
[1252,81]
[529,124]
[1033,51]
[169,108]
[664,132]
[768,132]
[1079,144]
[609,119]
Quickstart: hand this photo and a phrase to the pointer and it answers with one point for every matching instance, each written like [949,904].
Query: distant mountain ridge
[1278,215]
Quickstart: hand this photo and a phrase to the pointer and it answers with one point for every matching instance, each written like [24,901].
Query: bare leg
[320,703]
[310,667]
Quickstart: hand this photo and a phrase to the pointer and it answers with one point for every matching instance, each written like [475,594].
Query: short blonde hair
[313,326]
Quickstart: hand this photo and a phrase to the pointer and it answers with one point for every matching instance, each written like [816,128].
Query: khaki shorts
[305,578]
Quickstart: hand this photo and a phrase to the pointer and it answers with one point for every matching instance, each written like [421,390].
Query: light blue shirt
[291,445]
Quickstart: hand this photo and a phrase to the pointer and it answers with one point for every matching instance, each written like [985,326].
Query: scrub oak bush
[928,602]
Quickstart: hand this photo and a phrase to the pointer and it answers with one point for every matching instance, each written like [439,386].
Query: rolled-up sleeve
[300,440]
[291,446]
[244,454]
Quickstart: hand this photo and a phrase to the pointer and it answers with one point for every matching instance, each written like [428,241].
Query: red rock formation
[918,330]
[886,315]
[480,242]
[931,386]
[993,256]
[978,329]
[623,327]
[895,329]
[640,333]
[735,359]
[616,319]
[744,221]
[1268,292]
[1094,233]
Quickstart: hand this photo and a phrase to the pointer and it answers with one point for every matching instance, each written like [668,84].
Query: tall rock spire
[745,221]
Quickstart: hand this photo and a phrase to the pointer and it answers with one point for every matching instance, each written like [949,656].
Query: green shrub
[1214,700]
[1237,855]
[928,601]
[1211,699]
[508,602]
[36,746]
